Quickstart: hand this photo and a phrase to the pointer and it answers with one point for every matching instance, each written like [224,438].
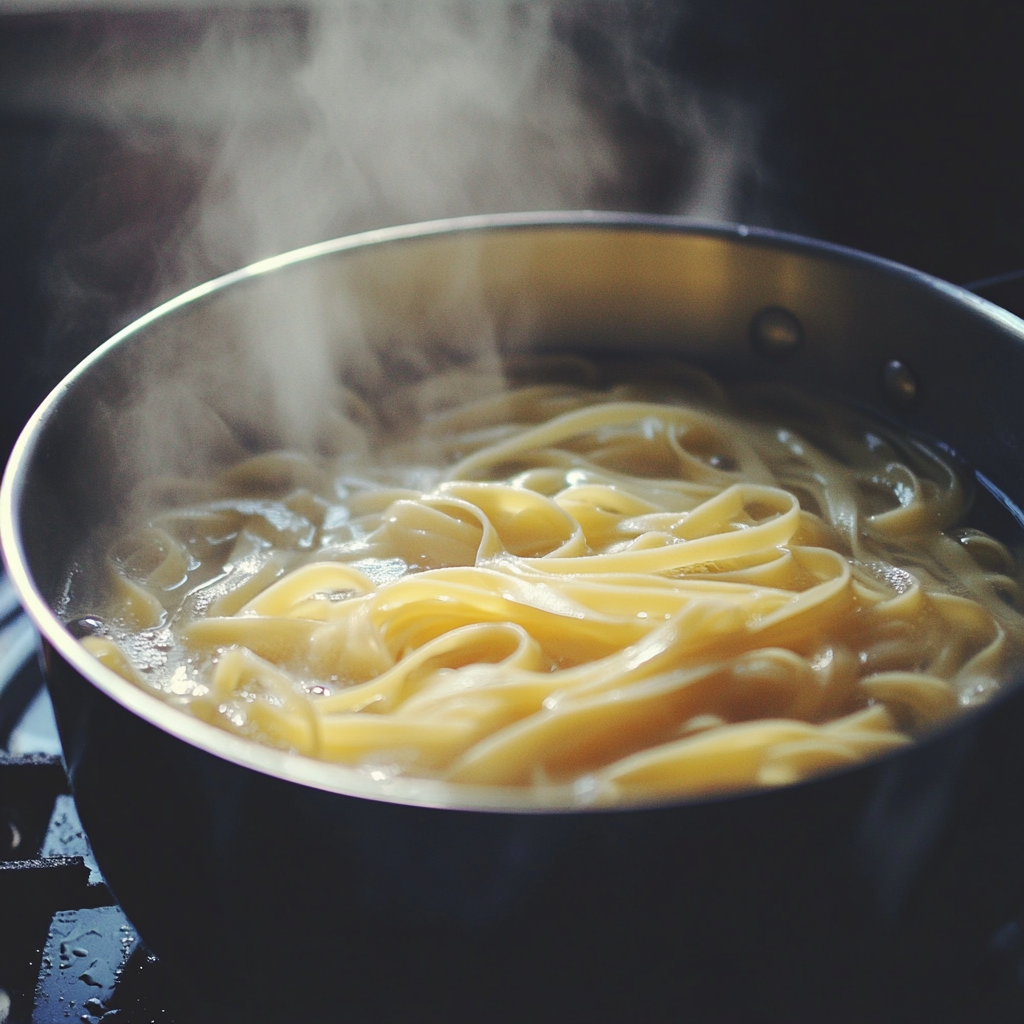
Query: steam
[366,113]
[405,112]
[401,112]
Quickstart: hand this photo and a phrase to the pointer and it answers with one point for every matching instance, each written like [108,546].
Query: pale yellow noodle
[631,598]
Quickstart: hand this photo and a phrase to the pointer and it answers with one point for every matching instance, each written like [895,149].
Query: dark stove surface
[67,951]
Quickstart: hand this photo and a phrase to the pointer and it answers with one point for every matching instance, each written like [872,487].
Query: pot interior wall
[175,396]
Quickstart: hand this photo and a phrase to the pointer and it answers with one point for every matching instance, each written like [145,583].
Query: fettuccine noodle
[615,592]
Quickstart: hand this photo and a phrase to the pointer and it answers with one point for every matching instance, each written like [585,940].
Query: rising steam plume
[366,113]
[406,112]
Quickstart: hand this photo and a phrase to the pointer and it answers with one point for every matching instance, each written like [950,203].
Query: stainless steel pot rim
[340,779]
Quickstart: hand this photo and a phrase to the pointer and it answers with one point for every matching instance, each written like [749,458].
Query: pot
[281,888]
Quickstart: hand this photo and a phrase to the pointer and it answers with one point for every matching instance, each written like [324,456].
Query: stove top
[67,952]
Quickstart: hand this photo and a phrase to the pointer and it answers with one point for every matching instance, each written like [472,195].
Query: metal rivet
[899,384]
[776,333]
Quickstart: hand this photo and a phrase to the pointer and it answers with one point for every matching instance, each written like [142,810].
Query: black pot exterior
[893,891]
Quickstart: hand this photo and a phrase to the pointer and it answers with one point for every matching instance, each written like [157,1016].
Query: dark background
[896,128]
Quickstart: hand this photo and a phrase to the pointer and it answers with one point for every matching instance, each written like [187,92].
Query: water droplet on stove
[80,951]
[93,1005]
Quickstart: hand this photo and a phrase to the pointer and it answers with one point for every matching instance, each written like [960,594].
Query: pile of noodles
[611,591]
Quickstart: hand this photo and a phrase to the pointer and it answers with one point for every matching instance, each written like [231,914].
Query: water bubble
[87,625]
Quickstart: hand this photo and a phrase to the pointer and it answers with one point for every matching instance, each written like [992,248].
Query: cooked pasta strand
[611,592]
